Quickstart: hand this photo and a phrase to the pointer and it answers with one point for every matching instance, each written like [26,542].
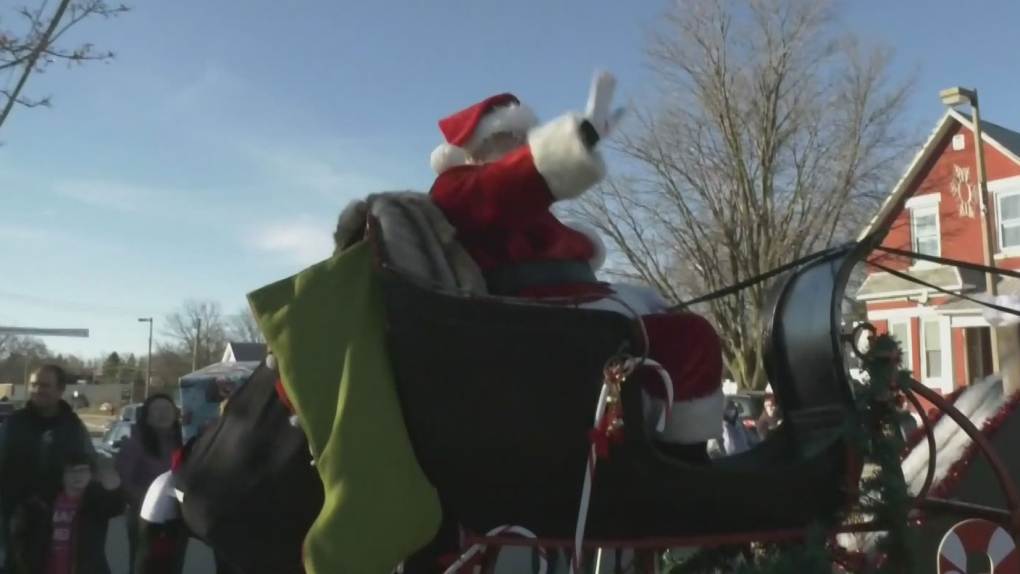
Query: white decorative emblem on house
[963,190]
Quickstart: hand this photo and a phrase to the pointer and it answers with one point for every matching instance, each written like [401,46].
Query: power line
[45,301]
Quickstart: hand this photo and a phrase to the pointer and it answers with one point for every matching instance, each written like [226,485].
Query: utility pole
[148,360]
[194,350]
[953,97]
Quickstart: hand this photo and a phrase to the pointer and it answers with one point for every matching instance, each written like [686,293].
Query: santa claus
[499,174]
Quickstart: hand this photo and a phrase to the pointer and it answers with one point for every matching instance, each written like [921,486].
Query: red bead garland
[948,484]
[919,435]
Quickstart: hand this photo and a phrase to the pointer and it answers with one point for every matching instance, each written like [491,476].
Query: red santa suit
[501,210]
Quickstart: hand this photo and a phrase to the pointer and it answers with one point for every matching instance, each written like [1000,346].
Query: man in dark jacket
[35,440]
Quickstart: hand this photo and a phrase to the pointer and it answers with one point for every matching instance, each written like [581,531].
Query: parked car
[129,413]
[113,437]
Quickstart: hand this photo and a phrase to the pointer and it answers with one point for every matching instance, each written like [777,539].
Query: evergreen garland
[884,496]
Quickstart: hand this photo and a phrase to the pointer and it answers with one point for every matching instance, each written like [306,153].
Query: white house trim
[909,294]
[964,321]
[902,313]
[927,209]
[926,200]
[907,345]
[945,380]
[999,190]
[1004,184]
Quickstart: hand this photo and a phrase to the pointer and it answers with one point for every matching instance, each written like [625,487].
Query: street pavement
[199,560]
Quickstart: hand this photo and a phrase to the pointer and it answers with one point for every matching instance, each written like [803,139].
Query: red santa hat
[467,129]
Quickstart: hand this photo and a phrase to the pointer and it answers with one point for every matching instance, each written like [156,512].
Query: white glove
[603,87]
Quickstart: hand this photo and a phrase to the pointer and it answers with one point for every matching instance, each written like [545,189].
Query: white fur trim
[567,165]
[161,503]
[692,421]
[517,119]
[447,156]
[599,257]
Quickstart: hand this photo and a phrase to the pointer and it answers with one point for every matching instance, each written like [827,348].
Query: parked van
[203,391]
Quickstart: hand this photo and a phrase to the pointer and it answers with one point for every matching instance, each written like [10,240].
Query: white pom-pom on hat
[447,156]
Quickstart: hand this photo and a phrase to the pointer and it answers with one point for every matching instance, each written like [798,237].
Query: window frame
[945,379]
[925,211]
[907,345]
[1001,224]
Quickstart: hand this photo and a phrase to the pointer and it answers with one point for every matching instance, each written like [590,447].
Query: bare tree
[243,328]
[772,134]
[199,328]
[169,364]
[32,38]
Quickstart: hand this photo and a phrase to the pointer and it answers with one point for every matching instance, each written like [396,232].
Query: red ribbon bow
[605,433]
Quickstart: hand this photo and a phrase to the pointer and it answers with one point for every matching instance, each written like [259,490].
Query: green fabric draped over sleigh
[325,327]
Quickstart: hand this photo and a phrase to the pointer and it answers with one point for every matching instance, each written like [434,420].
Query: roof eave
[888,211]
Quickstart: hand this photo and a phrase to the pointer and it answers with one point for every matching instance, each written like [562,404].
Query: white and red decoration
[976,537]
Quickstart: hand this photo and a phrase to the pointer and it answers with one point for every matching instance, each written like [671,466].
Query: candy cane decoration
[508,529]
[978,536]
[667,384]
[600,412]
[582,512]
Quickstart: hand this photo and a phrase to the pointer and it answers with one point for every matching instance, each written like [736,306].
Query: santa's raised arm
[499,174]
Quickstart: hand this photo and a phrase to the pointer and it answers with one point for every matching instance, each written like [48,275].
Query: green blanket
[325,327]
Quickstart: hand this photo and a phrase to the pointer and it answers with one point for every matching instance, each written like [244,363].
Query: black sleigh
[499,396]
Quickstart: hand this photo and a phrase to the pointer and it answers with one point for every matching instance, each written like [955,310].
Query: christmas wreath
[884,496]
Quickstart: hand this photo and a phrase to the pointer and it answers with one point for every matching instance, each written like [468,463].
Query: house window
[1008,210]
[900,330]
[924,230]
[931,348]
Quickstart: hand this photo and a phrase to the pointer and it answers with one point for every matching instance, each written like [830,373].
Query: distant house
[244,352]
[935,210]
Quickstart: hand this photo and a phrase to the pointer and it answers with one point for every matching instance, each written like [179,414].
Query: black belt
[513,279]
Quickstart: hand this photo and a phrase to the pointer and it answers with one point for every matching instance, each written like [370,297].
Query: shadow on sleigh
[498,397]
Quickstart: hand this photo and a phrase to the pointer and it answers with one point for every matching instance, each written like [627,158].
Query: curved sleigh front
[250,489]
[499,395]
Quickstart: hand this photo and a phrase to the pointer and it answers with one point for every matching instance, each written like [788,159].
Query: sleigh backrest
[805,354]
[413,238]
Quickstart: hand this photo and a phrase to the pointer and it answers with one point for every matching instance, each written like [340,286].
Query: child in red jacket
[65,532]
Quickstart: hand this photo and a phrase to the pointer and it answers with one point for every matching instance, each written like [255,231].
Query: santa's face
[498,146]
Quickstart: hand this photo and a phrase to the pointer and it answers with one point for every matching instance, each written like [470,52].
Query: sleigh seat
[499,396]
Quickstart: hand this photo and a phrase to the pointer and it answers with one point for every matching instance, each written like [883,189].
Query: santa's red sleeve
[556,164]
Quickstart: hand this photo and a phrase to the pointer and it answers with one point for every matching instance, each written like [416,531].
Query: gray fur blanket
[419,240]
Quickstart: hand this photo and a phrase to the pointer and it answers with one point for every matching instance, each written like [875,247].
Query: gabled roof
[1004,140]
[248,351]
[238,371]
[885,285]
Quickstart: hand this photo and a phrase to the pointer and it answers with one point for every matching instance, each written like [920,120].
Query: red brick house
[934,209]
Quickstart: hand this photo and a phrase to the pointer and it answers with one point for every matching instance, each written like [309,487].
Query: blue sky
[213,155]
